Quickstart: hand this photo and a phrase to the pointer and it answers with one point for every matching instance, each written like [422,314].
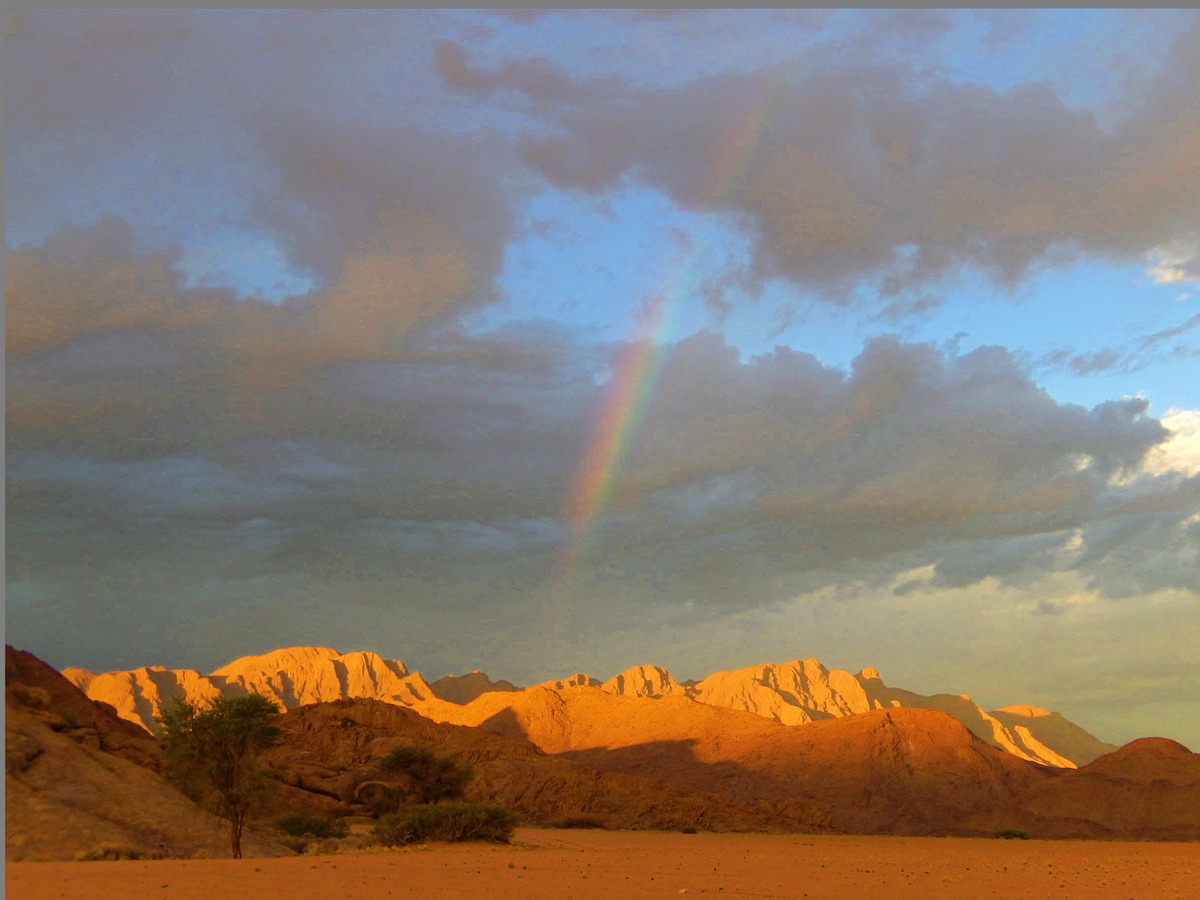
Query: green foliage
[316,826]
[432,778]
[212,754]
[446,822]
[1010,834]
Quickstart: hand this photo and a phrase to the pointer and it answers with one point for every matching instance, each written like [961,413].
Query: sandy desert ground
[604,864]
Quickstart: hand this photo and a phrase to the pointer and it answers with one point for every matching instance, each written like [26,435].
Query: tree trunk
[235,834]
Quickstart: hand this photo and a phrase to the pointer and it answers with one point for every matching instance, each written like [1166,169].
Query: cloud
[433,479]
[846,171]
[86,281]
[1181,451]
[399,231]
[1178,264]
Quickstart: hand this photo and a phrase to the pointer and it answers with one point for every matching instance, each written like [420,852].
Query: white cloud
[1177,263]
[1181,451]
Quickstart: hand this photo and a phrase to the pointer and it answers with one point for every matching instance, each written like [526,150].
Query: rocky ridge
[791,693]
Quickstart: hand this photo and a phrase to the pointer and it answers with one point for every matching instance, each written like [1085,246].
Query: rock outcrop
[645,681]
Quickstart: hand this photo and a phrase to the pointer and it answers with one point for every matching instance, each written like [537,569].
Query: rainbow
[638,368]
[621,415]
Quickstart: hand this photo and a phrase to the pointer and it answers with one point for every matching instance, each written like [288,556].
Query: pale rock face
[291,677]
[792,693]
[78,677]
[801,691]
[298,676]
[1050,729]
[644,681]
[998,730]
[140,695]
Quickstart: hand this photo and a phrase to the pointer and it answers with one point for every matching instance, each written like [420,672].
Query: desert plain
[584,864]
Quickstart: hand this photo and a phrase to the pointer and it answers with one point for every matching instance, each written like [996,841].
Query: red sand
[601,864]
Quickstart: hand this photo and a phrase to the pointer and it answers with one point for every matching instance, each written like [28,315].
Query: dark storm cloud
[143,464]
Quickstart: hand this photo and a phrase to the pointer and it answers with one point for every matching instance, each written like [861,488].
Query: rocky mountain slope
[1147,790]
[792,693]
[78,778]
[329,755]
[889,771]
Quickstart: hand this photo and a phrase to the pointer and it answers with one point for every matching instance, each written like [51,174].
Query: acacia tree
[212,754]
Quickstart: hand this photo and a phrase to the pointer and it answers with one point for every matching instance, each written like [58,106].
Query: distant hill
[1148,789]
[792,693]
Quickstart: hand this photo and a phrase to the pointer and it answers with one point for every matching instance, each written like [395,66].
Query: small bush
[317,826]
[1010,834]
[117,851]
[580,822]
[689,829]
[446,822]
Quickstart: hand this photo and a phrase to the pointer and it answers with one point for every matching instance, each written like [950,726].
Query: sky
[563,340]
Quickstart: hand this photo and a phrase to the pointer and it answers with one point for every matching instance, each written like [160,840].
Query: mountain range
[641,750]
[791,693]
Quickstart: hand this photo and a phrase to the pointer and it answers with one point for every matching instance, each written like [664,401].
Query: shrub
[580,822]
[432,777]
[317,826]
[1010,834]
[382,798]
[118,851]
[446,822]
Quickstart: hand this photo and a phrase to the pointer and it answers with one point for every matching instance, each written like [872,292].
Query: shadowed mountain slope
[903,771]
[1147,790]
[330,756]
